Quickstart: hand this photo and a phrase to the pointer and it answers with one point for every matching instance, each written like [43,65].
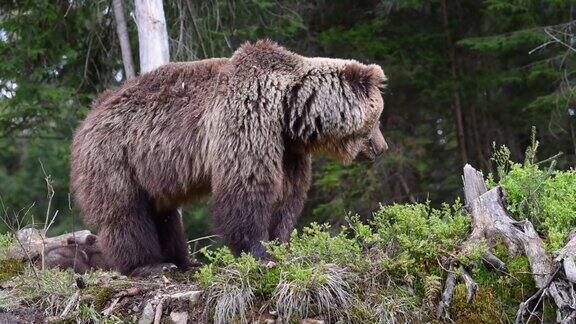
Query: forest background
[463,75]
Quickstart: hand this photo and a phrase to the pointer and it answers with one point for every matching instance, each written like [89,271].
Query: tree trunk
[456,98]
[122,31]
[152,34]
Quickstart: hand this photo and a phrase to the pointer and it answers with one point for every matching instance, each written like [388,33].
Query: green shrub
[416,235]
[546,198]
[524,186]
[558,203]
[342,274]
[391,269]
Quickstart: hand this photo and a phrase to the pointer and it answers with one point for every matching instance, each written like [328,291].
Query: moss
[101,295]
[10,268]
[484,307]
[181,277]
[510,289]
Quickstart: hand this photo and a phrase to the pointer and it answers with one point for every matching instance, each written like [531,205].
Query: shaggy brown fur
[242,129]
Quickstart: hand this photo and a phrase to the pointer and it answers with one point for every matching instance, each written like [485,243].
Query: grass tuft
[322,290]
[231,296]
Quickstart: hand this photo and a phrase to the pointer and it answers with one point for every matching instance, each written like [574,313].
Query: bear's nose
[384,147]
[379,147]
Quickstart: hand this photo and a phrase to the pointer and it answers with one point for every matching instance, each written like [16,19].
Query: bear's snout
[374,146]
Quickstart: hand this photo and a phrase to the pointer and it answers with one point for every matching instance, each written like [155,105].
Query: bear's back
[151,120]
[182,79]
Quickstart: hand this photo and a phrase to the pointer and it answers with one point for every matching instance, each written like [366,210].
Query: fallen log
[78,250]
[31,242]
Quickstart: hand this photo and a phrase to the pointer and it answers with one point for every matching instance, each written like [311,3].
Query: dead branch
[71,303]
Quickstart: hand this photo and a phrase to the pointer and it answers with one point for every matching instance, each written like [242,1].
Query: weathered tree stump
[491,223]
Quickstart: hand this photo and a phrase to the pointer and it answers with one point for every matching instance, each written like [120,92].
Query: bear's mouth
[367,154]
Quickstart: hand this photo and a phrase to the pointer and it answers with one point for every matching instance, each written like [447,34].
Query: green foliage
[544,196]
[55,57]
[50,290]
[316,244]
[6,242]
[10,268]
[503,43]
[101,296]
[324,272]
[558,204]
[393,266]
[524,186]
[497,293]
[419,234]
[484,307]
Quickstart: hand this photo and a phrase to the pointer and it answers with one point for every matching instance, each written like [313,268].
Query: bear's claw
[153,270]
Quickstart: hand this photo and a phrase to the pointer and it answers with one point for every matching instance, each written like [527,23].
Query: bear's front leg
[242,217]
[297,177]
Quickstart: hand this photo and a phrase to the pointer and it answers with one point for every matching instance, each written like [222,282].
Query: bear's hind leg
[173,238]
[130,241]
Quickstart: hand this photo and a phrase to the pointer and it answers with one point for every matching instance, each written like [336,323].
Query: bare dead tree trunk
[152,34]
[456,98]
[123,37]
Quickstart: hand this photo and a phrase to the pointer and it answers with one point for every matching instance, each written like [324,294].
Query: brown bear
[242,129]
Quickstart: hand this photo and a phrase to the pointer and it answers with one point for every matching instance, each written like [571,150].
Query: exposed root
[471,285]
[447,295]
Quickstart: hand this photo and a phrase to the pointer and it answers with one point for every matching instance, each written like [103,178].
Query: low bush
[383,269]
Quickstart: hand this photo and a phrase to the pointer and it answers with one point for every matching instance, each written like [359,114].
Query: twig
[128,292]
[47,221]
[158,313]
[208,237]
[70,304]
[110,308]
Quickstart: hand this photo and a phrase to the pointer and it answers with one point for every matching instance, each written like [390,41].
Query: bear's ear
[363,77]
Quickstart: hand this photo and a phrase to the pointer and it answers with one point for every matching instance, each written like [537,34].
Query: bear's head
[329,105]
[335,106]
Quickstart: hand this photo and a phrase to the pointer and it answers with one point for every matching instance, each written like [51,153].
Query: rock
[179,317]
[312,321]
[192,296]
[148,314]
